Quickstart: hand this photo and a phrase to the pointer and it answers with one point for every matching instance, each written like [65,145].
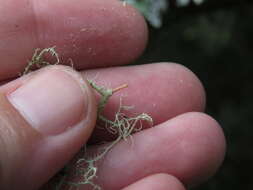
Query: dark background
[215,40]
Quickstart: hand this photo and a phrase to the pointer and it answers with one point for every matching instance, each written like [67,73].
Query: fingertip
[203,146]
[93,33]
[212,147]
[138,31]
[190,82]
[160,181]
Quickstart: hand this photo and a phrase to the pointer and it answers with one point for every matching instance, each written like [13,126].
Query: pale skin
[183,148]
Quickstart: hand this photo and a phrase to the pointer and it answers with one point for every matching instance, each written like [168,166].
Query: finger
[190,147]
[161,90]
[43,122]
[157,182]
[92,33]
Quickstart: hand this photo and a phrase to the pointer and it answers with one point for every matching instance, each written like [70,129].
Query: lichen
[122,126]
[38,59]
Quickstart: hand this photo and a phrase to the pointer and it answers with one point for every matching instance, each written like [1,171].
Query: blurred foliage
[151,9]
[215,41]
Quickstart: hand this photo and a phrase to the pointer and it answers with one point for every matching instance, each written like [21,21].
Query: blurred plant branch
[153,10]
[176,11]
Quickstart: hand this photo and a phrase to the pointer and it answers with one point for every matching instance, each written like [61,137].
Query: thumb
[45,118]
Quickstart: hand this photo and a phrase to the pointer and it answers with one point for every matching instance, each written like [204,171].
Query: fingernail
[52,101]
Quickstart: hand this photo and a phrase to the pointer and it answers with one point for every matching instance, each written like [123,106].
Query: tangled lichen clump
[85,169]
[122,126]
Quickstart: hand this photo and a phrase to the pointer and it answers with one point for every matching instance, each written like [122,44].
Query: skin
[185,146]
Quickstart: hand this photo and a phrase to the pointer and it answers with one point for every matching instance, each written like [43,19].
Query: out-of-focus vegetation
[151,9]
[215,40]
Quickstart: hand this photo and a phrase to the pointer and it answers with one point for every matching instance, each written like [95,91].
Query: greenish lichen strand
[38,59]
[122,126]
[105,95]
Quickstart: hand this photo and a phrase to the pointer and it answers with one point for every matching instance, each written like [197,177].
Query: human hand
[46,116]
